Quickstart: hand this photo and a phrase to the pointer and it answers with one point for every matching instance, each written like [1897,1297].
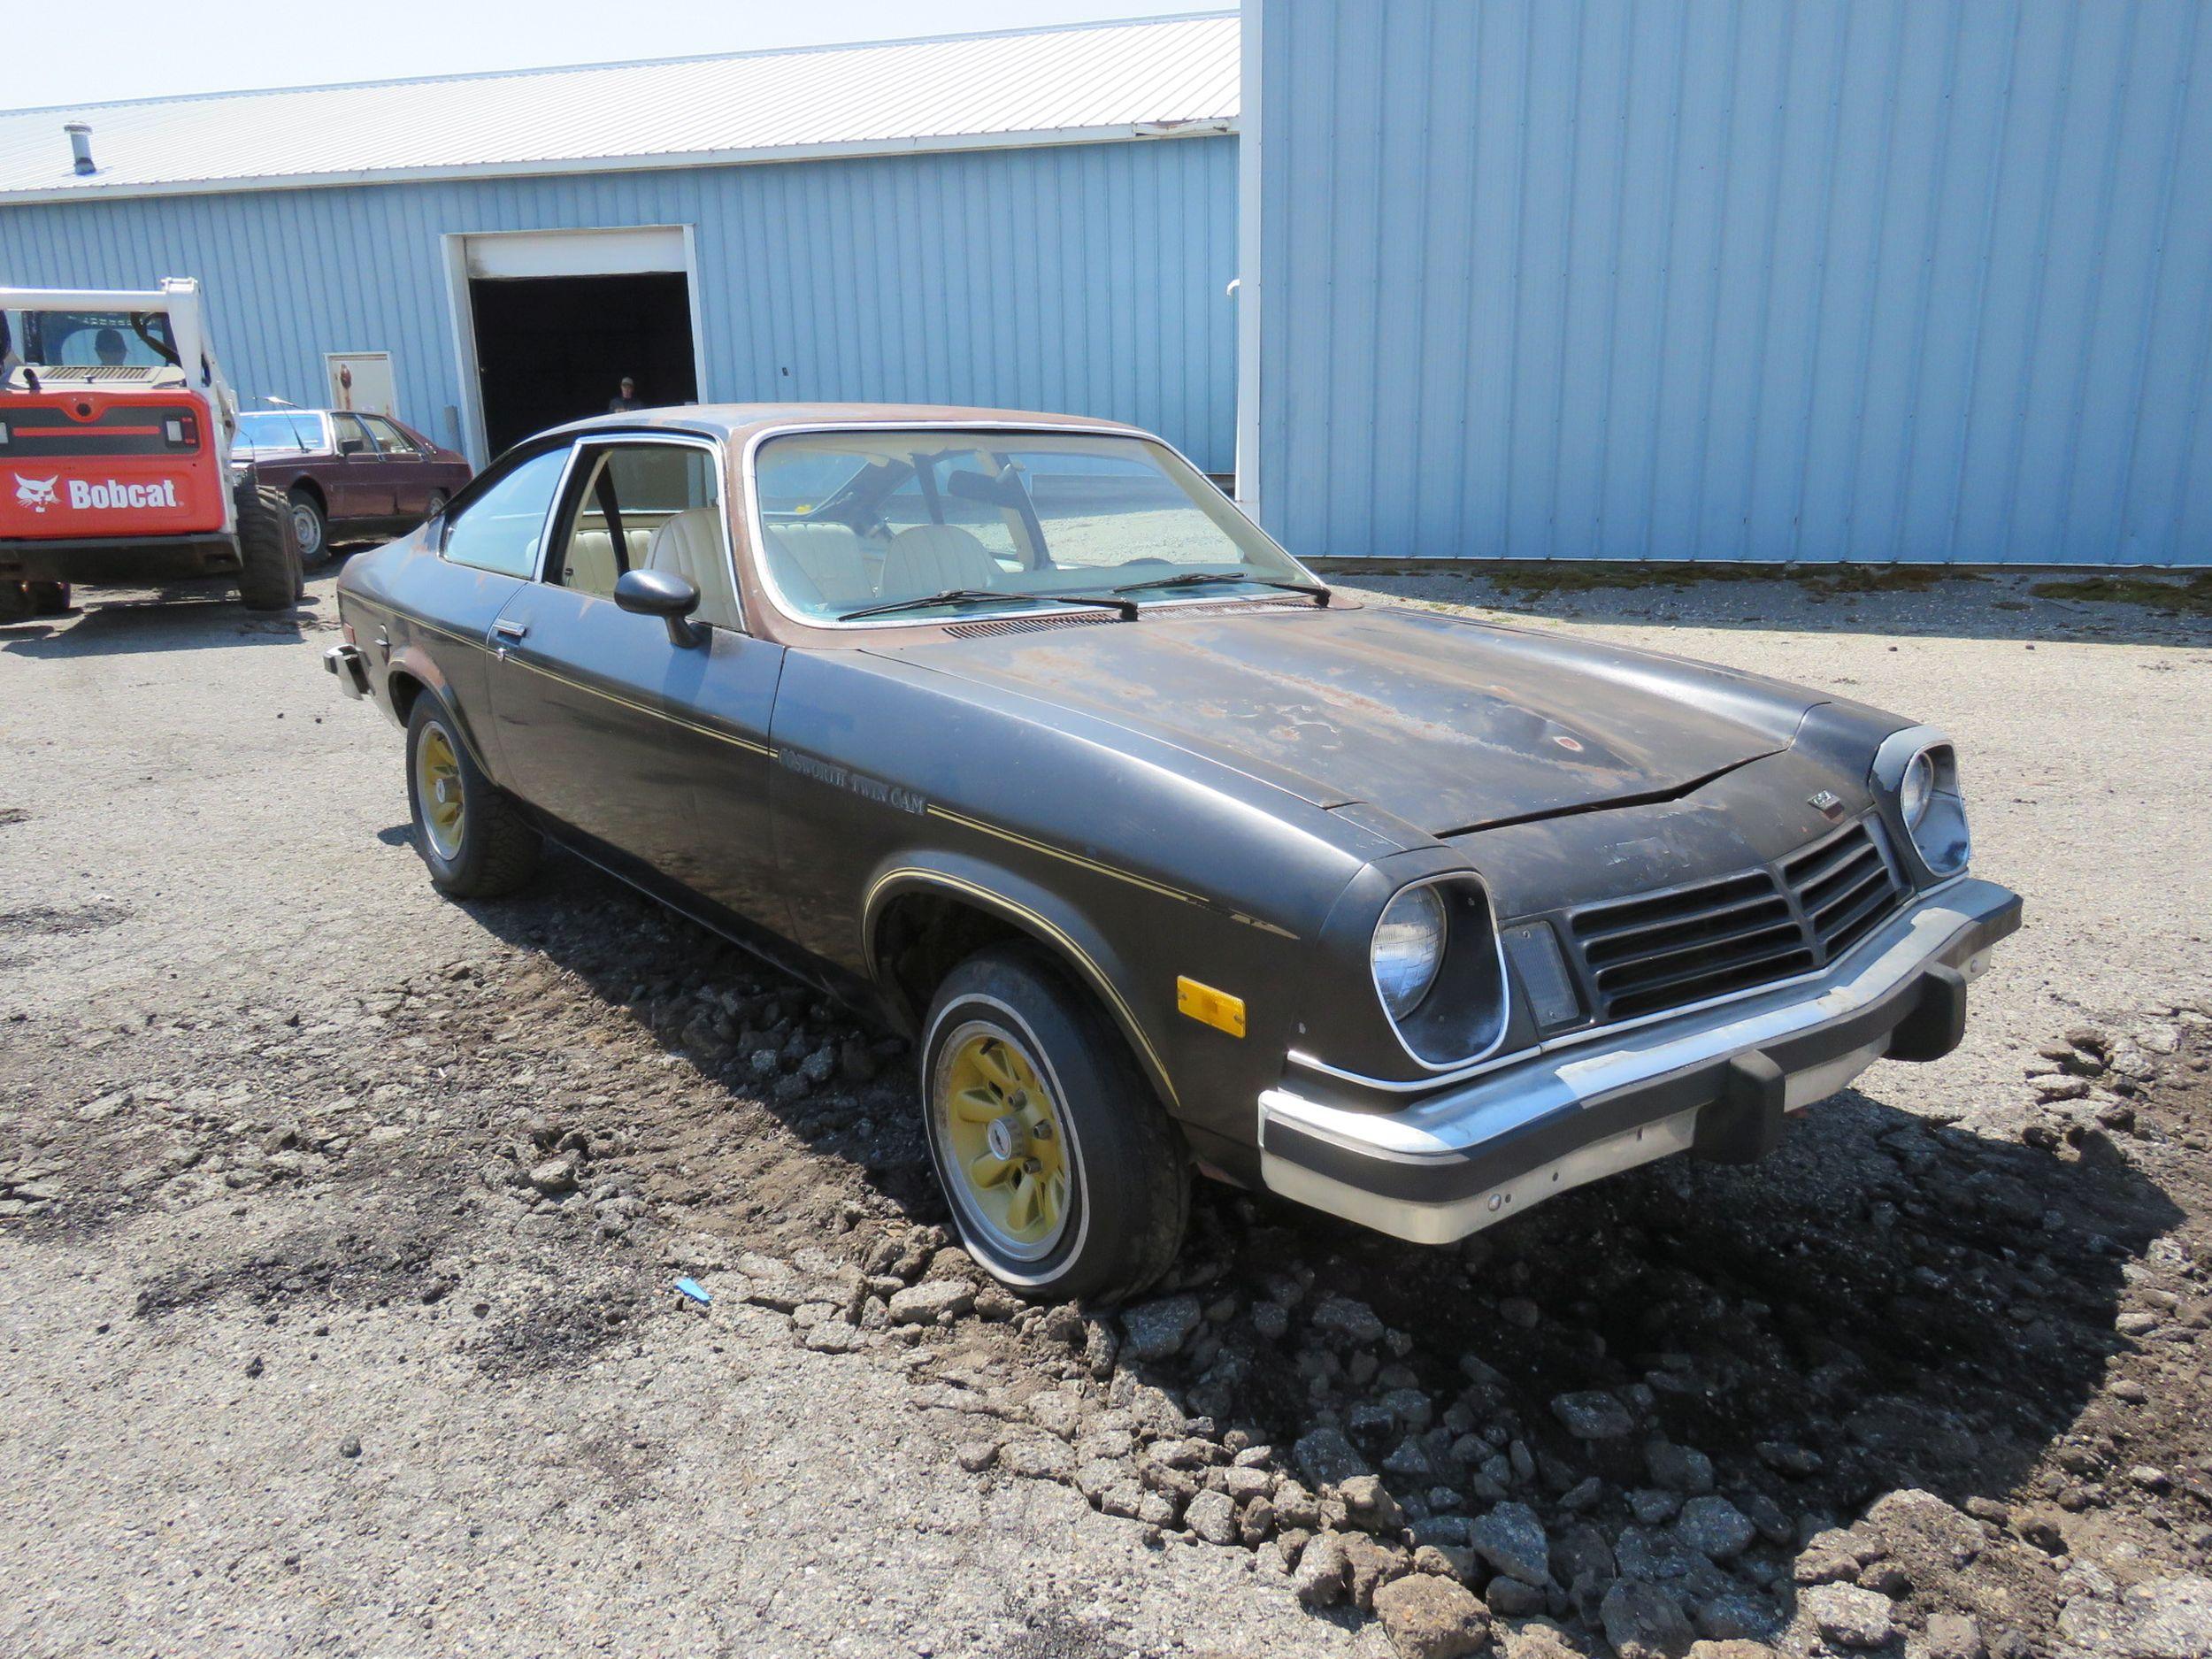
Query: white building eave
[569,166]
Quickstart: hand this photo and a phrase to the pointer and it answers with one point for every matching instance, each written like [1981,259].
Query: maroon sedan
[349,475]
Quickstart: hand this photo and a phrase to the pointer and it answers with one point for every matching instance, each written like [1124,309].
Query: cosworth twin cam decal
[38,494]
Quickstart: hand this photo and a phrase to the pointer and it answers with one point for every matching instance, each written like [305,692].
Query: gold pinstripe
[505,656]
[1062,853]
[643,708]
[1044,925]
[1093,866]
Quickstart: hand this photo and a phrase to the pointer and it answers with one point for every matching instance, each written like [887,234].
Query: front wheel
[48,599]
[1065,1178]
[467,828]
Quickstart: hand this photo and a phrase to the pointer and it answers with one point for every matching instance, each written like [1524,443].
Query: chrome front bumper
[1717,1080]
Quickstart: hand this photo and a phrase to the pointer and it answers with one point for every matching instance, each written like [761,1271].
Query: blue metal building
[1040,220]
[1835,279]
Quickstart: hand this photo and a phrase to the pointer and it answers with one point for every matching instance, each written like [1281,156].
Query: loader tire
[269,573]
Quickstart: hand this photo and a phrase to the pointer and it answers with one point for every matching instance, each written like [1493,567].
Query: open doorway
[545,324]
[557,348]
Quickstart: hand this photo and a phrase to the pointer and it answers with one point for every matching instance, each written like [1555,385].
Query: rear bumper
[351,668]
[150,558]
[1718,1081]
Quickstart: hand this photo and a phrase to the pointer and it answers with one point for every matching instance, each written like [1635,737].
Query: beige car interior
[828,565]
[670,521]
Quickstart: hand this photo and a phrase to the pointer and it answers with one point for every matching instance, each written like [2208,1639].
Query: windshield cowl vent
[1028,625]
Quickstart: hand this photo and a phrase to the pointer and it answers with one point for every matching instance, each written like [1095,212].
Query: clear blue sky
[158,50]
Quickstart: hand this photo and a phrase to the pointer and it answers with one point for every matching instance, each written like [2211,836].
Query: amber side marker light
[1209,1007]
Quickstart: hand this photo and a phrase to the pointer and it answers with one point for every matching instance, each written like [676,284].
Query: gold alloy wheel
[1004,1147]
[438,790]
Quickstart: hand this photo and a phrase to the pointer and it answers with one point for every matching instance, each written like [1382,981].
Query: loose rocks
[1511,1538]
[1594,1415]
[1155,1330]
[934,1299]
[1643,1622]
[1849,1616]
[1431,1618]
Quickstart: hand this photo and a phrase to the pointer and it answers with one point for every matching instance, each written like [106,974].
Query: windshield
[86,339]
[855,519]
[279,429]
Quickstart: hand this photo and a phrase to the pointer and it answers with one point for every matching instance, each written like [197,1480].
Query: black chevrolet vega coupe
[1169,857]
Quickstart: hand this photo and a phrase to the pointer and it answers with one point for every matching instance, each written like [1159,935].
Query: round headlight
[1916,790]
[1408,947]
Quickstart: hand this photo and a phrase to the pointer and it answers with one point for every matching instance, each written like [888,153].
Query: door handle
[511,630]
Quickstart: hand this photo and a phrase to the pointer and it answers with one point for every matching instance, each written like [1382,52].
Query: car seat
[820,564]
[928,559]
[689,545]
[589,565]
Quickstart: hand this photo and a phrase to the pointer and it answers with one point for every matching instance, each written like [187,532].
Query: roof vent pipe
[81,146]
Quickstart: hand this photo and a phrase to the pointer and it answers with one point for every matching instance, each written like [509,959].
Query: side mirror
[353,446]
[662,593]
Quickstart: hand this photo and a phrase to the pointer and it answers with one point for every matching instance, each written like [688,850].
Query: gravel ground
[338,1226]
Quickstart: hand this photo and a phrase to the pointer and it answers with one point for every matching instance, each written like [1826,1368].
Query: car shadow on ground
[1887,1301]
[178,618]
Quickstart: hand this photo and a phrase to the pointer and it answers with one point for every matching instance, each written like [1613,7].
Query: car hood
[1445,724]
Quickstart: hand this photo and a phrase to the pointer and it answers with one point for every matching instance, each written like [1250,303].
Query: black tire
[1127,1176]
[269,574]
[15,602]
[48,599]
[310,526]
[492,849]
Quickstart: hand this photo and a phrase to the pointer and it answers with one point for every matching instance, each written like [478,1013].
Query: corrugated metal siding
[1083,279]
[1865,280]
[1160,71]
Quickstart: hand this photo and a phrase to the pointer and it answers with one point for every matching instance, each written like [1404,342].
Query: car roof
[741,422]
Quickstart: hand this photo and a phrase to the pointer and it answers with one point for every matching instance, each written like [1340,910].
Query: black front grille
[1845,885]
[1668,949]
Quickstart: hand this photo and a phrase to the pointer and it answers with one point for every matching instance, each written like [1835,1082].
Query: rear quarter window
[503,529]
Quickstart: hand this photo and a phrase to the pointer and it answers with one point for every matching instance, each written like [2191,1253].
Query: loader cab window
[503,529]
[83,340]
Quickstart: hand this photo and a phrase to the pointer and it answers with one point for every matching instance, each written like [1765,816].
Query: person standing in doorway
[627,399]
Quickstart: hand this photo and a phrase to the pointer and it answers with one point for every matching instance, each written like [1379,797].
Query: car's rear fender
[410,672]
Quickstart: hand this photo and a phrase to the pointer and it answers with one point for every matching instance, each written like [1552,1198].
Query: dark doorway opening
[555,349]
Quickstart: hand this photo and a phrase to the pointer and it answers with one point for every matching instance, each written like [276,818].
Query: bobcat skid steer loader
[115,454]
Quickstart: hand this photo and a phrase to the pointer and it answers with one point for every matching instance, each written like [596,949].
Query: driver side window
[648,506]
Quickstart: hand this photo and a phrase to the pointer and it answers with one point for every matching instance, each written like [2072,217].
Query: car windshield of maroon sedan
[272,430]
[860,525]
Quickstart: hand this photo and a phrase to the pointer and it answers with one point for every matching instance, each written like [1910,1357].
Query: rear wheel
[48,599]
[1065,1178]
[310,528]
[467,828]
[269,575]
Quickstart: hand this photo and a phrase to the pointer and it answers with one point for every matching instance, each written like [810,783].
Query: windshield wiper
[983,595]
[1207,579]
